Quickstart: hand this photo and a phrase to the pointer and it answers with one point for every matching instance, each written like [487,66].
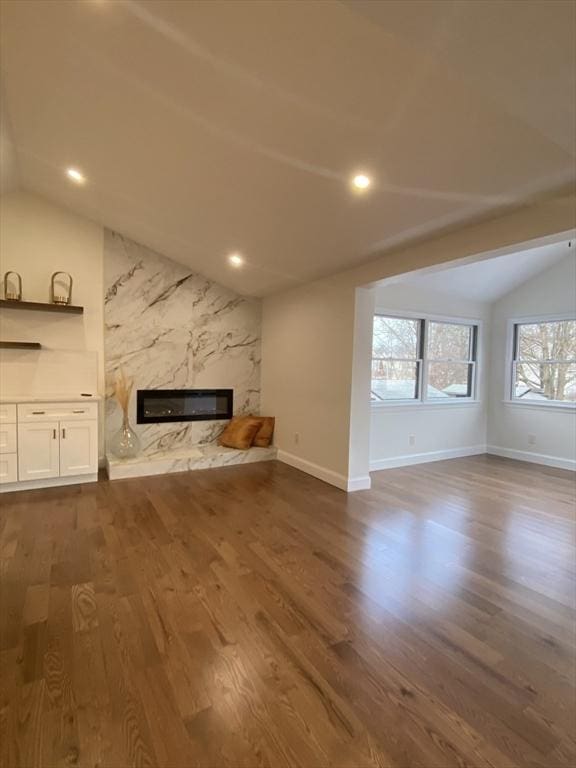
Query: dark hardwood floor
[254,616]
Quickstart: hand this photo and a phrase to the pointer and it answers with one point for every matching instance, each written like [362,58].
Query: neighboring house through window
[419,359]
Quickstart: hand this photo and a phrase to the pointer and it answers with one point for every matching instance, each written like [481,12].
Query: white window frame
[422,401]
[510,363]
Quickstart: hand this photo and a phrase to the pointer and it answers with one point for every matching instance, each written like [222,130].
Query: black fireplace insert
[162,405]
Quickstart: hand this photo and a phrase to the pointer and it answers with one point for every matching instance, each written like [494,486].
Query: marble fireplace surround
[169,328]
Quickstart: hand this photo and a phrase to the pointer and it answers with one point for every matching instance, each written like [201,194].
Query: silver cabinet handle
[64,434]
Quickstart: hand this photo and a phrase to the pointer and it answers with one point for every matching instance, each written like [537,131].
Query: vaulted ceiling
[210,127]
[490,279]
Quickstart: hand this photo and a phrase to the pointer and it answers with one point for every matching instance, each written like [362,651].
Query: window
[451,360]
[396,344]
[544,362]
[422,360]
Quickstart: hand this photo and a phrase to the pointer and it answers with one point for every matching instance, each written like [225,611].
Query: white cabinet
[8,438]
[7,413]
[38,451]
[8,444]
[8,468]
[78,448]
[48,443]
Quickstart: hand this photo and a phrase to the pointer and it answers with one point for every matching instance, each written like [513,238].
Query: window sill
[424,404]
[540,405]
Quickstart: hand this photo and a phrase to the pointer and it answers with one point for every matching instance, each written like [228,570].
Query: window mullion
[473,383]
[423,367]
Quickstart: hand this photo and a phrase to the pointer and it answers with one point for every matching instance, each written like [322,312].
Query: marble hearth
[198,457]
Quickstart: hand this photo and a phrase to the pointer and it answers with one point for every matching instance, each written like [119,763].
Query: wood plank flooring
[254,616]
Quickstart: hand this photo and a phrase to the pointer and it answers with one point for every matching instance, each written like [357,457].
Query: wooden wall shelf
[41,306]
[20,345]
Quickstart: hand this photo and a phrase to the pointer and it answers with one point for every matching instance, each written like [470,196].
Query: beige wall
[36,239]
[510,425]
[308,340]
[8,161]
[306,367]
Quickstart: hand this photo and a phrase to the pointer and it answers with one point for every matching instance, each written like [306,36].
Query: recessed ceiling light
[75,175]
[235,259]
[361,181]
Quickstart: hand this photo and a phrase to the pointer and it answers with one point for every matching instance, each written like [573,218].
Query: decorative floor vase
[125,444]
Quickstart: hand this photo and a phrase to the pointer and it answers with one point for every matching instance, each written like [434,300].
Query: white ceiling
[207,127]
[490,279]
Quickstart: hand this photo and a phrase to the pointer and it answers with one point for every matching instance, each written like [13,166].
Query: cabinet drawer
[8,468]
[36,412]
[7,438]
[8,413]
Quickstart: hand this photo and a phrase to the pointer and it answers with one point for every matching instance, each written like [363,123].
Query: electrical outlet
[296,438]
[531,439]
[411,439]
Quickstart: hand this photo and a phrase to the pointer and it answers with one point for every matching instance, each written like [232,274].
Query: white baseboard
[52,482]
[533,458]
[455,453]
[362,483]
[423,458]
[322,473]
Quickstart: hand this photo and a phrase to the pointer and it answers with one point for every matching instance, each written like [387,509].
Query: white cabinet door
[8,468]
[8,441]
[78,448]
[7,413]
[38,451]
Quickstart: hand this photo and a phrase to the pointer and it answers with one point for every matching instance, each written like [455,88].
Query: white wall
[552,292]
[309,334]
[8,160]
[306,376]
[36,239]
[440,431]
[359,445]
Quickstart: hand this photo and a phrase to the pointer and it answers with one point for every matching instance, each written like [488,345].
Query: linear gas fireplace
[161,405]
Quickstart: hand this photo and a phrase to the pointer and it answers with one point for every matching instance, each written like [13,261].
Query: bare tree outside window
[544,361]
[450,359]
[406,368]
[395,353]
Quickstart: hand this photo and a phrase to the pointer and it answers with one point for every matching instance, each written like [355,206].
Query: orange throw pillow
[263,437]
[240,432]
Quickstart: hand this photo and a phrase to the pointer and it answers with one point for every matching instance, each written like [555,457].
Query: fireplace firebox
[164,405]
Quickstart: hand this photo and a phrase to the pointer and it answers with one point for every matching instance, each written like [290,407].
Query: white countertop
[71,398]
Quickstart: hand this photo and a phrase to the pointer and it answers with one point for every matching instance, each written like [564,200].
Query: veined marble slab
[200,457]
[170,328]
